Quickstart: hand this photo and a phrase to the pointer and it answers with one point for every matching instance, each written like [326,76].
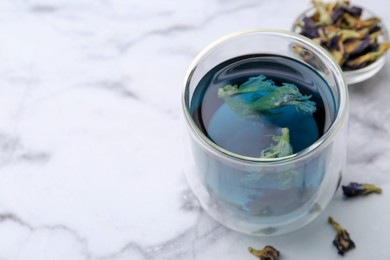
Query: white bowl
[358,75]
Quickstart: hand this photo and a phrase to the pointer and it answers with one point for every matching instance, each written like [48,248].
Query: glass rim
[334,128]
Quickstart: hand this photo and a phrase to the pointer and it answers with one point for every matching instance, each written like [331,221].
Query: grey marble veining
[90,154]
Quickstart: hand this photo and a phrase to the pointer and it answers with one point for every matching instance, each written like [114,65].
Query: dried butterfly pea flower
[357,23]
[339,28]
[374,36]
[346,34]
[358,189]
[309,28]
[337,13]
[334,43]
[363,60]
[323,15]
[374,28]
[268,253]
[354,11]
[356,46]
[367,58]
[342,241]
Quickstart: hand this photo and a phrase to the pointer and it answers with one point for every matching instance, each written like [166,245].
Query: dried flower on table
[360,189]
[339,27]
[342,241]
[268,253]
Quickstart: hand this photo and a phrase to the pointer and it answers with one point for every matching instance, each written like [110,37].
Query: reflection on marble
[90,159]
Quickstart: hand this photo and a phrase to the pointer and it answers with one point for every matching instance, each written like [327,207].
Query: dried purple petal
[375,28]
[373,47]
[310,29]
[268,253]
[311,33]
[333,43]
[354,11]
[364,60]
[355,189]
[342,241]
[357,46]
[308,21]
[374,36]
[338,12]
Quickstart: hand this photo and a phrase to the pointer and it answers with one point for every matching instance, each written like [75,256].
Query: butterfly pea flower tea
[266,145]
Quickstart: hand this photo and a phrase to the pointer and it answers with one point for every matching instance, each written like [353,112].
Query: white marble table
[90,159]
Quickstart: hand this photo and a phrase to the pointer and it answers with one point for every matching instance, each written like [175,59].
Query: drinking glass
[271,196]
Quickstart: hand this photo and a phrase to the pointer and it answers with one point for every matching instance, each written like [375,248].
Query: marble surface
[90,159]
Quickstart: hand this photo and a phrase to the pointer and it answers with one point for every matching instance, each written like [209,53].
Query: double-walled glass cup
[261,196]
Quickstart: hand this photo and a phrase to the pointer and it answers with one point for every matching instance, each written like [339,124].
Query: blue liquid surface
[248,136]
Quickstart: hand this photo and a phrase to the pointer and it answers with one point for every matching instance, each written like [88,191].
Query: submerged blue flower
[269,96]
[283,147]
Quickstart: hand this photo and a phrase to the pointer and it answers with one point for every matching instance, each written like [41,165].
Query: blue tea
[243,123]
[249,135]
